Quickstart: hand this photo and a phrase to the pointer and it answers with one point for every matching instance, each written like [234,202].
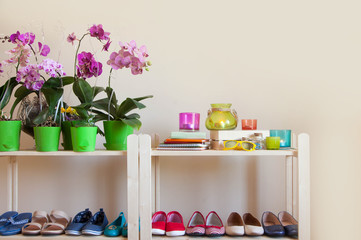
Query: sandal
[4,219]
[59,221]
[15,224]
[40,218]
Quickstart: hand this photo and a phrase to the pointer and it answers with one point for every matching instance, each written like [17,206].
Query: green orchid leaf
[132,116]
[67,80]
[142,98]
[97,90]
[128,105]
[134,123]
[109,91]
[52,97]
[103,104]
[100,116]
[83,91]
[20,94]
[6,91]
[83,113]
[52,83]
[42,117]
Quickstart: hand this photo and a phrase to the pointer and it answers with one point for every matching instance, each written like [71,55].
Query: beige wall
[290,64]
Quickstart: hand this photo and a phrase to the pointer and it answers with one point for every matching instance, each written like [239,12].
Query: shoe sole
[195,234]
[158,232]
[72,233]
[175,233]
[91,232]
[215,235]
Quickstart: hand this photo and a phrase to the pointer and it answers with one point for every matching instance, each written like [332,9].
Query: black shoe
[289,223]
[272,225]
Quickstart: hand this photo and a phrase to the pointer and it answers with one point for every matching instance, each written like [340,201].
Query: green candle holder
[273,143]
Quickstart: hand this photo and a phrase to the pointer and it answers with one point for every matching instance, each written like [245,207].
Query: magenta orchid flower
[52,68]
[131,57]
[43,49]
[98,32]
[87,66]
[106,46]
[27,38]
[31,76]
[71,38]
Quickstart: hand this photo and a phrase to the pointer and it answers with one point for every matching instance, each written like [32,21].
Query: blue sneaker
[96,225]
[79,221]
[16,224]
[4,219]
[115,228]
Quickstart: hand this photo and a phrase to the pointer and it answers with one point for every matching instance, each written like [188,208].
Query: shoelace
[12,221]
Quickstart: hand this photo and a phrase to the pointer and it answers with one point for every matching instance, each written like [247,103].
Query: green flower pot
[116,133]
[47,138]
[65,130]
[10,135]
[83,138]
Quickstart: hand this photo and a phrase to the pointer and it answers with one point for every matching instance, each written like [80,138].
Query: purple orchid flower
[31,76]
[98,32]
[106,46]
[43,49]
[71,38]
[87,66]
[27,38]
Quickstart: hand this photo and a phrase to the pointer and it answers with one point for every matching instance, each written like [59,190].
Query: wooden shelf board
[60,153]
[63,237]
[175,153]
[218,238]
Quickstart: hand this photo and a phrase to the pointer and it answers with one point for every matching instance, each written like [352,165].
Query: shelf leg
[304,210]
[289,184]
[10,185]
[15,191]
[157,183]
[133,200]
[145,187]
[156,179]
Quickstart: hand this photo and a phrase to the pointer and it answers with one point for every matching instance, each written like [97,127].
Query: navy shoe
[96,225]
[272,225]
[289,223]
[79,221]
[16,224]
[4,219]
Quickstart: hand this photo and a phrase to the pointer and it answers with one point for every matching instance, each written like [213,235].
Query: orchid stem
[76,54]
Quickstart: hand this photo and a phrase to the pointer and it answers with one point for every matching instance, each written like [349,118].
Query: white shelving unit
[297,197]
[132,174]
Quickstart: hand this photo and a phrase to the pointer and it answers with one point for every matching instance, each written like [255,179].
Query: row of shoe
[58,222]
[171,224]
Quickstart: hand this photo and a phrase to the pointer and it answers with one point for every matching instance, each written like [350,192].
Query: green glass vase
[221,117]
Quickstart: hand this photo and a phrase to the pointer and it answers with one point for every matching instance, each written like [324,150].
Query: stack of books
[185,141]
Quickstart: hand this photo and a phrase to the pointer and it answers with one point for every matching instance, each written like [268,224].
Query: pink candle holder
[249,124]
[189,121]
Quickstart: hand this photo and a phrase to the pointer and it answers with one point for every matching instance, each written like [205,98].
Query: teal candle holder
[285,137]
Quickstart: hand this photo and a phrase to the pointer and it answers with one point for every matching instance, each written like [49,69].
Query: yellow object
[69,110]
[221,117]
[239,145]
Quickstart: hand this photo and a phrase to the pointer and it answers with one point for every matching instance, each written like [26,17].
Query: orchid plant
[42,78]
[85,67]
[129,56]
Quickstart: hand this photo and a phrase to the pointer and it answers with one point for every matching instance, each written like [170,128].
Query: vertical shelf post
[10,185]
[145,188]
[304,209]
[133,200]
